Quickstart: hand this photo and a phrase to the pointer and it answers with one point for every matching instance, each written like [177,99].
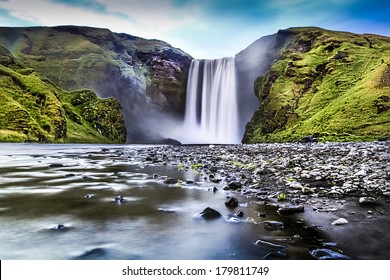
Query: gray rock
[367,200]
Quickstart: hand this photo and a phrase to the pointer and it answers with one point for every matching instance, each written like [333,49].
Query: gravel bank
[341,188]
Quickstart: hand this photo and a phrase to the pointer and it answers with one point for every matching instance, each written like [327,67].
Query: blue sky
[202,28]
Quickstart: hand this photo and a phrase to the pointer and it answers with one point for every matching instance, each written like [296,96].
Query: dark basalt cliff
[148,77]
[332,85]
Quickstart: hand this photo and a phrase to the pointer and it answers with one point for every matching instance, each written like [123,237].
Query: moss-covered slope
[333,85]
[32,109]
[147,77]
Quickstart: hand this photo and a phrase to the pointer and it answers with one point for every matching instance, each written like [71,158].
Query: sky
[202,28]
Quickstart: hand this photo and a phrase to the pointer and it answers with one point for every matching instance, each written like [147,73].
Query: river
[58,202]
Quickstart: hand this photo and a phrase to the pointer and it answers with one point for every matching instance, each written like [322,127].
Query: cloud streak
[203,28]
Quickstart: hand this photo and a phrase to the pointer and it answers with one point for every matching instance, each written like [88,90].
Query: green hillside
[332,85]
[147,77]
[32,109]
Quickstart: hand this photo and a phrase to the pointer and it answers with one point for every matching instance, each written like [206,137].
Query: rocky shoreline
[341,188]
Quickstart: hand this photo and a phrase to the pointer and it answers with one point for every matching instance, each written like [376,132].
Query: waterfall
[211,114]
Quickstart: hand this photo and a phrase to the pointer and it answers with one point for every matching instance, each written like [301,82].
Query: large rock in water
[148,77]
[209,214]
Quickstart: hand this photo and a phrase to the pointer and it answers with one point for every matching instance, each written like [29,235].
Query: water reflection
[58,202]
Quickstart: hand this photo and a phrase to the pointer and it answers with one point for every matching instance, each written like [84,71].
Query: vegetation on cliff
[146,76]
[333,85]
[32,109]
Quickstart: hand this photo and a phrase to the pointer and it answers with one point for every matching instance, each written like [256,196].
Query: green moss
[35,110]
[331,84]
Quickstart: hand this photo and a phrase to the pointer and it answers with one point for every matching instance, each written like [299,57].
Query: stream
[59,202]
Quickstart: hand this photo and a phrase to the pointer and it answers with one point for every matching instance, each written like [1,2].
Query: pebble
[234,185]
[170,181]
[322,170]
[367,200]
[288,210]
[340,222]
[231,202]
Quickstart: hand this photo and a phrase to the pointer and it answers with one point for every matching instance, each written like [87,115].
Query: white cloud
[149,19]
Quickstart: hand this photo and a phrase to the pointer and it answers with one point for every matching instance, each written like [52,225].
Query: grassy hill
[32,109]
[333,85]
[147,77]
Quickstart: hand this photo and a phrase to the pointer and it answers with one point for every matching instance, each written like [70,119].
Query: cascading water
[211,107]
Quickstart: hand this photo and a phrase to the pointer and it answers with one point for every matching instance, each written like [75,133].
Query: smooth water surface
[58,202]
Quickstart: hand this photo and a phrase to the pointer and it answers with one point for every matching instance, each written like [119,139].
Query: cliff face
[148,77]
[32,109]
[333,85]
[255,61]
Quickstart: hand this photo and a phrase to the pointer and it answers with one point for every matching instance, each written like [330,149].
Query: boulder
[209,214]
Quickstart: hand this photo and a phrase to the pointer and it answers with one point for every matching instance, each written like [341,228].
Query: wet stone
[367,200]
[170,181]
[234,185]
[273,225]
[56,165]
[231,202]
[266,245]
[60,227]
[340,222]
[209,213]
[239,214]
[288,210]
[327,254]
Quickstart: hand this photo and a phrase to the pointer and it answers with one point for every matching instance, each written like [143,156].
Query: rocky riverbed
[340,188]
[266,201]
